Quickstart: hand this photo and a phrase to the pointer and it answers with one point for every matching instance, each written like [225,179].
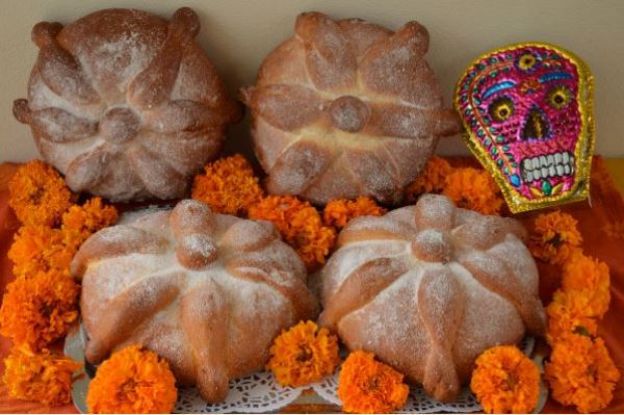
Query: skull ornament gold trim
[527,114]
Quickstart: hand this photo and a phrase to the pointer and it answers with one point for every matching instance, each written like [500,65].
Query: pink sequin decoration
[521,105]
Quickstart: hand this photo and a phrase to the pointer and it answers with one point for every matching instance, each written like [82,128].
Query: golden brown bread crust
[429,287]
[346,108]
[175,282]
[125,104]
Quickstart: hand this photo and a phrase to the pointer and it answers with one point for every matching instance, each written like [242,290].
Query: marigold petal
[43,377]
[133,380]
[339,212]
[588,277]
[39,249]
[300,225]
[303,354]
[228,186]
[505,381]
[554,237]
[38,311]
[568,313]
[368,386]
[80,222]
[38,194]
[581,373]
[473,189]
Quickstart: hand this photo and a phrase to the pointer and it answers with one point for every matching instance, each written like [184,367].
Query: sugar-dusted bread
[429,287]
[125,104]
[208,292]
[347,108]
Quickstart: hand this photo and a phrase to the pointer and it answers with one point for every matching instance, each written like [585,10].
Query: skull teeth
[545,166]
[558,158]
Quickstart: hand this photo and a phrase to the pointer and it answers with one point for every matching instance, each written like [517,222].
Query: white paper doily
[254,394]
[418,401]
[260,392]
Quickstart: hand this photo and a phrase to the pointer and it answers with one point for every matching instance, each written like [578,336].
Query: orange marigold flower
[431,180]
[228,186]
[38,194]
[568,314]
[368,386]
[554,237]
[39,310]
[339,212]
[133,380]
[581,373]
[473,189]
[588,277]
[39,249]
[80,222]
[505,380]
[300,225]
[41,377]
[303,354]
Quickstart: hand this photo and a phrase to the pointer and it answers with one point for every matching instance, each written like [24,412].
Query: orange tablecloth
[602,226]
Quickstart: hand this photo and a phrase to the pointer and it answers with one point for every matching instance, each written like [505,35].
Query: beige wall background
[237,34]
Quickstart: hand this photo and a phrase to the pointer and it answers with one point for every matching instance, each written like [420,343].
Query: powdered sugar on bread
[155,294]
[453,296]
[358,98]
[125,104]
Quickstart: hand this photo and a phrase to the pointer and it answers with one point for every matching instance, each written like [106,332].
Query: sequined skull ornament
[527,111]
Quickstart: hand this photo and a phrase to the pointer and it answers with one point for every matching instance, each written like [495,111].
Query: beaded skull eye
[527,110]
[527,61]
[501,109]
[559,97]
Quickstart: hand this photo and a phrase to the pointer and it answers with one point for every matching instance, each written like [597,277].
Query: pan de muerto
[347,108]
[428,288]
[207,292]
[125,104]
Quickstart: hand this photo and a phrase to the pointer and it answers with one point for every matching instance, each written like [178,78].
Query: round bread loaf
[347,108]
[125,104]
[207,292]
[428,288]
